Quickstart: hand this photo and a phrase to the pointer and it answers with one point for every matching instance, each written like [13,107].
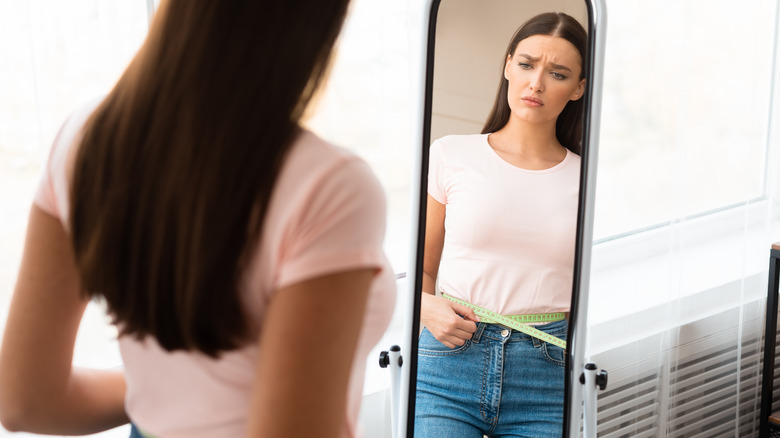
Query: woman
[508,201]
[239,255]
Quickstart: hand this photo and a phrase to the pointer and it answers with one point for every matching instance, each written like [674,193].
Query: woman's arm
[41,391]
[307,347]
[440,316]
[434,243]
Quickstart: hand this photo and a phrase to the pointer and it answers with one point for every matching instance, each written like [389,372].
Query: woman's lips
[533,101]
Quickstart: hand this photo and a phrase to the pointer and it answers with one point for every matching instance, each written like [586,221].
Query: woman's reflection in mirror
[500,235]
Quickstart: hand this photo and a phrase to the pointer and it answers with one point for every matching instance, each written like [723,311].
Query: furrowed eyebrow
[559,67]
[528,57]
[553,65]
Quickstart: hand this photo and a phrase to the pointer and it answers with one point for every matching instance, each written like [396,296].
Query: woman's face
[543,75]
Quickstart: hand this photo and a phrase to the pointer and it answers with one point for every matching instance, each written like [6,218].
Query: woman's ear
[506,66]
[579,91]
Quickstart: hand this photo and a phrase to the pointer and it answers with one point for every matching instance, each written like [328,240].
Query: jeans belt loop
[478,334]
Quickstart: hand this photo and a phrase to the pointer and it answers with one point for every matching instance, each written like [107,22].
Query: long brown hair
[175,170]
[568,127]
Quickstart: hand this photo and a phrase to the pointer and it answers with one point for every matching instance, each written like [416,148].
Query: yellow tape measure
[517,322]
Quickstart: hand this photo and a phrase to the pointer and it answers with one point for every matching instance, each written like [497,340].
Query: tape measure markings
[516,321]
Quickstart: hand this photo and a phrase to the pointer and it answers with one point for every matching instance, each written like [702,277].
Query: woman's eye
[525,66]
[557,75]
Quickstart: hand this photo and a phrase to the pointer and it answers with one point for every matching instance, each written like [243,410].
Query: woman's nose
[537,82]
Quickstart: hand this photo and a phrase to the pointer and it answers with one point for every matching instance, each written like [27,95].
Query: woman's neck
[526,145]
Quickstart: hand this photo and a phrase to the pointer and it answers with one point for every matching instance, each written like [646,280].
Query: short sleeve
[437,173]
[340,226]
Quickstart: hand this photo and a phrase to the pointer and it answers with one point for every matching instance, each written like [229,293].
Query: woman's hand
[449,322]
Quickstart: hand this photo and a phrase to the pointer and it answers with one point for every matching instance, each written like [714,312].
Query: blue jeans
[134,432]
[500,383]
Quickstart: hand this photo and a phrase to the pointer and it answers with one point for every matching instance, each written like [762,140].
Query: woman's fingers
[450,323]
[465,311]
[455,339]
[454,333]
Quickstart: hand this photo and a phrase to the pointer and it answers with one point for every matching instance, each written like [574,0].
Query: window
[686,199]
[686,106]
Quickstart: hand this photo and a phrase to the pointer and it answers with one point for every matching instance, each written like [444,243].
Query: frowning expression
[544,75]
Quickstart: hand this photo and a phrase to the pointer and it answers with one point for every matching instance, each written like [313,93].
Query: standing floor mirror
[509,132]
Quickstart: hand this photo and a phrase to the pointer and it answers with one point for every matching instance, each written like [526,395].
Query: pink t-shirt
[326,214]
[509,232]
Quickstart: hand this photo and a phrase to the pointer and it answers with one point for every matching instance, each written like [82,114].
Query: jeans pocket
[554,354]
[428,345]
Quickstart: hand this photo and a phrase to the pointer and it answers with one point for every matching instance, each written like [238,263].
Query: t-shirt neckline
[492,152]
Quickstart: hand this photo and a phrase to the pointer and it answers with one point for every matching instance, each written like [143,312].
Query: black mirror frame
[578,324]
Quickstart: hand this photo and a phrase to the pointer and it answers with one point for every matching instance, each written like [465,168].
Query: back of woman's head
[557,24]
[176,166]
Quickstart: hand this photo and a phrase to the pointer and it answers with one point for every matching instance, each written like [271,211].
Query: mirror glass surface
[463,388]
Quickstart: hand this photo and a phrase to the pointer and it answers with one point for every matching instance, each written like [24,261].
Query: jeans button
[504,333]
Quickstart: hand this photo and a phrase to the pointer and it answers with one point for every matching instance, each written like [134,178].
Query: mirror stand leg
[593,380]
[393,359]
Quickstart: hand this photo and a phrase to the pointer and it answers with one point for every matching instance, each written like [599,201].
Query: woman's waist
[536,325]
[516,303]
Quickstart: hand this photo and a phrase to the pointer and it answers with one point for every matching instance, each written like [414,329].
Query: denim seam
[502,363]
[483,396]
[504,360]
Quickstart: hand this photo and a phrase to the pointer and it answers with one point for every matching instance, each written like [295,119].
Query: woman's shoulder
[52,192]
[456,141]
[311,155]
[459,147]
[310,145]
[572,160]
[69,135]
[315,165]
